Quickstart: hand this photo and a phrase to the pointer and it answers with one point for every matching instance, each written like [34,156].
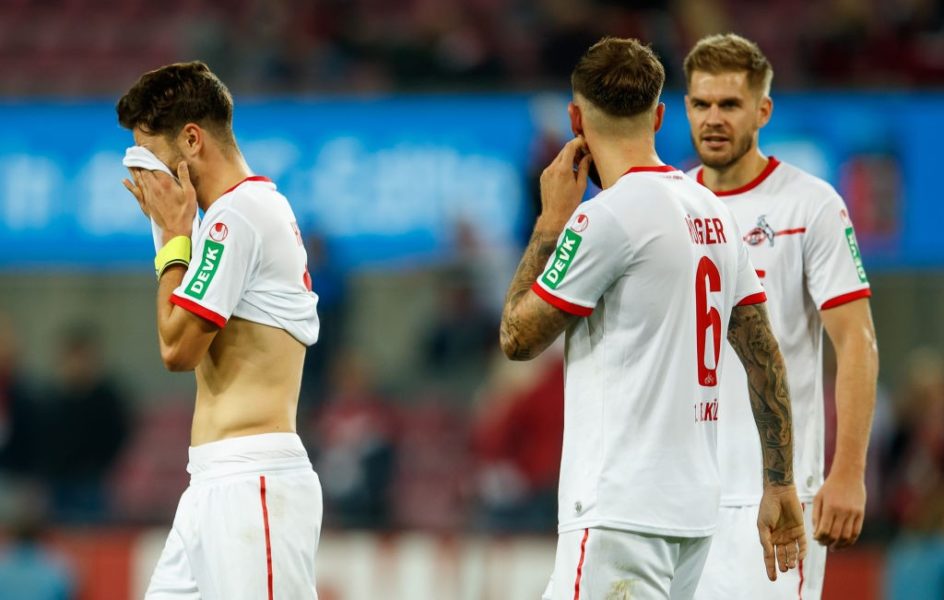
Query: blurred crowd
[290,46]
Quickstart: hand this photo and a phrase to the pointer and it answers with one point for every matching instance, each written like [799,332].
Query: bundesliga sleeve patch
[854,247]
[212,253]
[563,256]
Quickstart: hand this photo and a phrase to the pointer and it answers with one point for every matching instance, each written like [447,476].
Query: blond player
[239,312]
[645,279]
[802,243]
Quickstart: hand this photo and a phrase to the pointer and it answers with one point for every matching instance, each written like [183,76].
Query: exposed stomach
[248,383]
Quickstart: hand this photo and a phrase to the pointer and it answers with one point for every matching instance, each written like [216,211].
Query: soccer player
[646,279]
[801,241]
[240,314]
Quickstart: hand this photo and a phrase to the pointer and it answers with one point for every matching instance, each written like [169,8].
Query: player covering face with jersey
[234,304]
[646,279]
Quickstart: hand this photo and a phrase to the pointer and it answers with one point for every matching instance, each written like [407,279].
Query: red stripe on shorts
[583,550]
[265,521]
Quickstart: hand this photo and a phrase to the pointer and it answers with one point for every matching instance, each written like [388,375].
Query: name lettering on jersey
[212,252]
[853,246]
[706,411]
[705,231]
[563,256]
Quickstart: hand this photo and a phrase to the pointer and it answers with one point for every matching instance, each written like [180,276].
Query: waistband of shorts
[247,454]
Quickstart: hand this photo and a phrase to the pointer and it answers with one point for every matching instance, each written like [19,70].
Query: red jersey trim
[583,555]
[772,164]
[199,310]
[250,178]
[568,307]
[653,169]
[791,231]
[268,542]
[753,299]
[846,298]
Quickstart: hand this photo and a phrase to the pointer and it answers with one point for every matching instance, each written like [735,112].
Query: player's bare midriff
[248,383]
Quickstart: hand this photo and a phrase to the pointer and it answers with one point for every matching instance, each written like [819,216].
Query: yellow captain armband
[175,252]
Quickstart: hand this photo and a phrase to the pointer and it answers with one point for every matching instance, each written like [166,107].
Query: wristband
[174,252]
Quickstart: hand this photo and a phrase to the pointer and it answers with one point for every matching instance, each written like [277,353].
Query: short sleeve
[831,259]
[747,289]
[223,258]
[592,252]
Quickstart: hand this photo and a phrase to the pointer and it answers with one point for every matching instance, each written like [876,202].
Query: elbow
[514,348]
[176,360]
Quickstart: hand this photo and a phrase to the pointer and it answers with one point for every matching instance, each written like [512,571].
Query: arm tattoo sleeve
[526,333]
[750,334]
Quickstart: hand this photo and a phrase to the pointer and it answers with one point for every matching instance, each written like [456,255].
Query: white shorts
[248,525]
[735,568]
[607,564]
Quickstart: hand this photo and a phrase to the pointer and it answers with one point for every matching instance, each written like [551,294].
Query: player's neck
[217,179]
[735,176]
[614,160]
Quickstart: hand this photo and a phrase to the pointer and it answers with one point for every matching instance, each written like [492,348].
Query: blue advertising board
[392,182]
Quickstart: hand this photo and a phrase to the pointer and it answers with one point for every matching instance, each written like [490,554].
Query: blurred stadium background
[408,136]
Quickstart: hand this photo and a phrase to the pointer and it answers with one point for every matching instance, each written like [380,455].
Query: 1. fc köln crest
[761,232]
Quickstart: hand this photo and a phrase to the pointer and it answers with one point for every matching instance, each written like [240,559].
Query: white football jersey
[249,261]
[655,264]
[802,243]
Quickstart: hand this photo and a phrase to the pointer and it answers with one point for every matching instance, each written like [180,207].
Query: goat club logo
[760,233]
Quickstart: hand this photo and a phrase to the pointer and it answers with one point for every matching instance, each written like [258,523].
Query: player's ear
[191,139]
[660,116]
[765,111]
[576,119]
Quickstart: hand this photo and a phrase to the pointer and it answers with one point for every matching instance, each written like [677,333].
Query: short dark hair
[621,77]
[162,101]
[729,52]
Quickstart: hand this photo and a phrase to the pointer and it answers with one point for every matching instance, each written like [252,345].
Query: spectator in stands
[517,439]
[18,411]
[915,468]
[28,571]
[84,428]
[353,442]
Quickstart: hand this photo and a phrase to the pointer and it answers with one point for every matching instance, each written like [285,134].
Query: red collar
[657,169]
[772,163]
[250,178]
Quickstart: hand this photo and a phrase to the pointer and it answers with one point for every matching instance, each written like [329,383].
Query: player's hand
[172,205]
[136,190]
[780,524]
[838,510]
[563,184]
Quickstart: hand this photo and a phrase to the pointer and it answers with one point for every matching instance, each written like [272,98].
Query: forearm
[754,342]
[519,336]
[168,328]
[856,375]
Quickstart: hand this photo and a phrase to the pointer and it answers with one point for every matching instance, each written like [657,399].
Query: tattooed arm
[529,324]
[750,334]
[780,515]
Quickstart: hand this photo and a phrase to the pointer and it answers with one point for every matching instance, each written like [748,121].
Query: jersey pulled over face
[800,239]
[249,261]
[655,263]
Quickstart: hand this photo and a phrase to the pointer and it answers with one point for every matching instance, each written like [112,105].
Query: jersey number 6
[707,322]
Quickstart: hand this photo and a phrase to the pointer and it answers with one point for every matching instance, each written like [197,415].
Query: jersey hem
[846,298]
[686,532]
[564,305]
[199,310]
